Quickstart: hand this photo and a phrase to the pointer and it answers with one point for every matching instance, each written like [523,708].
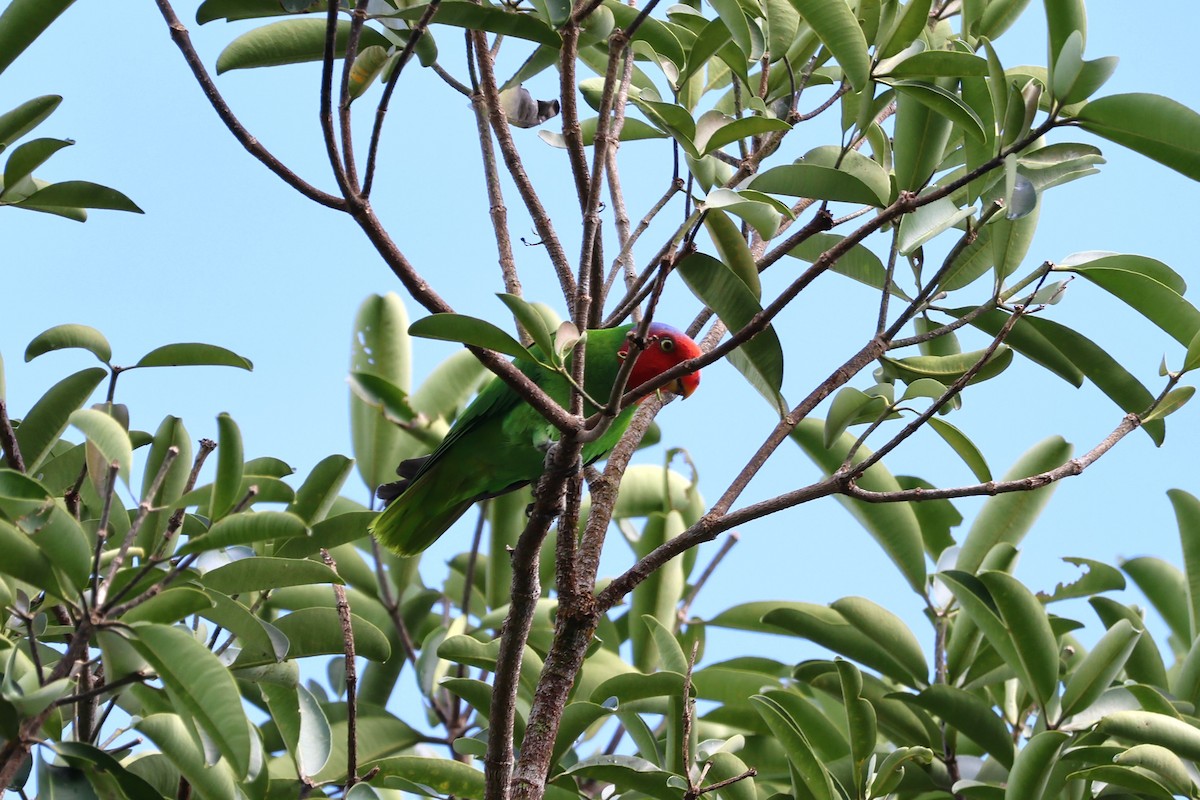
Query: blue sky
[227,254]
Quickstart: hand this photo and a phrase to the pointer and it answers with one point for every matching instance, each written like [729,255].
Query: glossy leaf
[28,157]
[732,248]
[893,525]
[1150,728]
[490,18]
[938,63]
[1145,663]
[1031,770]
[247,529]
[193,354]
[809,776]
[928,221]
[22,22]
[468,330]
[947,369]
[261,573]
[1008,517]
[90,759]
[381,348]
[317,631]
[77,194]
[291,41]
[1155,126]
[658,596]
[628,774]
[63,337]
[920,138]
[1028,341]
[887,629]
[1030,632]
[1187,517]
[652,31]
[817,182]
[174,739]
[1162,762]
[849,407]
[227,488]
[726,294]
[1096,672]
[28,115]
[317,494]
[858,263]
[966,449]
[49,417]
[762,215]
[1175,399]
[835,24]
[1116,382]
[197,682]
[107,436]
[970,715]
[944,103]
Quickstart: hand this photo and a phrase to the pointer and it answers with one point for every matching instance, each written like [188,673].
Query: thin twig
[343,612]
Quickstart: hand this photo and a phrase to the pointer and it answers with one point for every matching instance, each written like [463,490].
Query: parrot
[499,442]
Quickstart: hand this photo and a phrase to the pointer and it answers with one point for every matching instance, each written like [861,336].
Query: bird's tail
[416,518]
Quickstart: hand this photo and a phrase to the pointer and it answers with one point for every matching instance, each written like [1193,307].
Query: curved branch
[183,40]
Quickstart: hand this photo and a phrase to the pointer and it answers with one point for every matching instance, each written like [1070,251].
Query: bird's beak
[686,385]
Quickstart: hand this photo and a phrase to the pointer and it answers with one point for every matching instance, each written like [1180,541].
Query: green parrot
[499,442]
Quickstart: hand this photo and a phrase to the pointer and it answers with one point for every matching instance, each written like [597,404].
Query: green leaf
[1149,286]
[1187,518]
[1117,383]
[319,491]
[858,263]
[1028,341]
[63,337]
[945,103]
[1162,582]
[817,182]
[886,629]
[732,130]
[106,435]
[234,10]
[21,120]
[1155,126]
[1176,399]
[303,725]
[919,141]
[651,31]
[77,194]
[851,407]
[227,487]
[1164,763]
[1096,672]
[260,573]
[94,762]
[1145,663]
[947,369]
[174,739]
[28,157]
[193,354]
[735,253]
[893,525]
[1097,577]
[22,22]
[828,628]
[1008,517]
[906,27]
[1064,17]
[762,214]
[937,64]
[198,682]
[658,596]
[928,221]
[291,41]
[1030,632]
[532,321]
[380,347]
[838,29]
[490,18]
[470,331]
[1031,770]
[246,528]
[318,631]
[809,776]
[50,415]
[966,449]
[24,561]
[783,23]
[1145,727]
[970,715]
[725,293]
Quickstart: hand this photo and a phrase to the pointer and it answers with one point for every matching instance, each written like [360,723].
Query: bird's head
[665,347]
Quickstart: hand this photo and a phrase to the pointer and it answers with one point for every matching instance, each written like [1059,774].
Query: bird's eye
[667,345]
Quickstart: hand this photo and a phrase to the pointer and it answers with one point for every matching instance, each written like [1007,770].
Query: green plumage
[498,444]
